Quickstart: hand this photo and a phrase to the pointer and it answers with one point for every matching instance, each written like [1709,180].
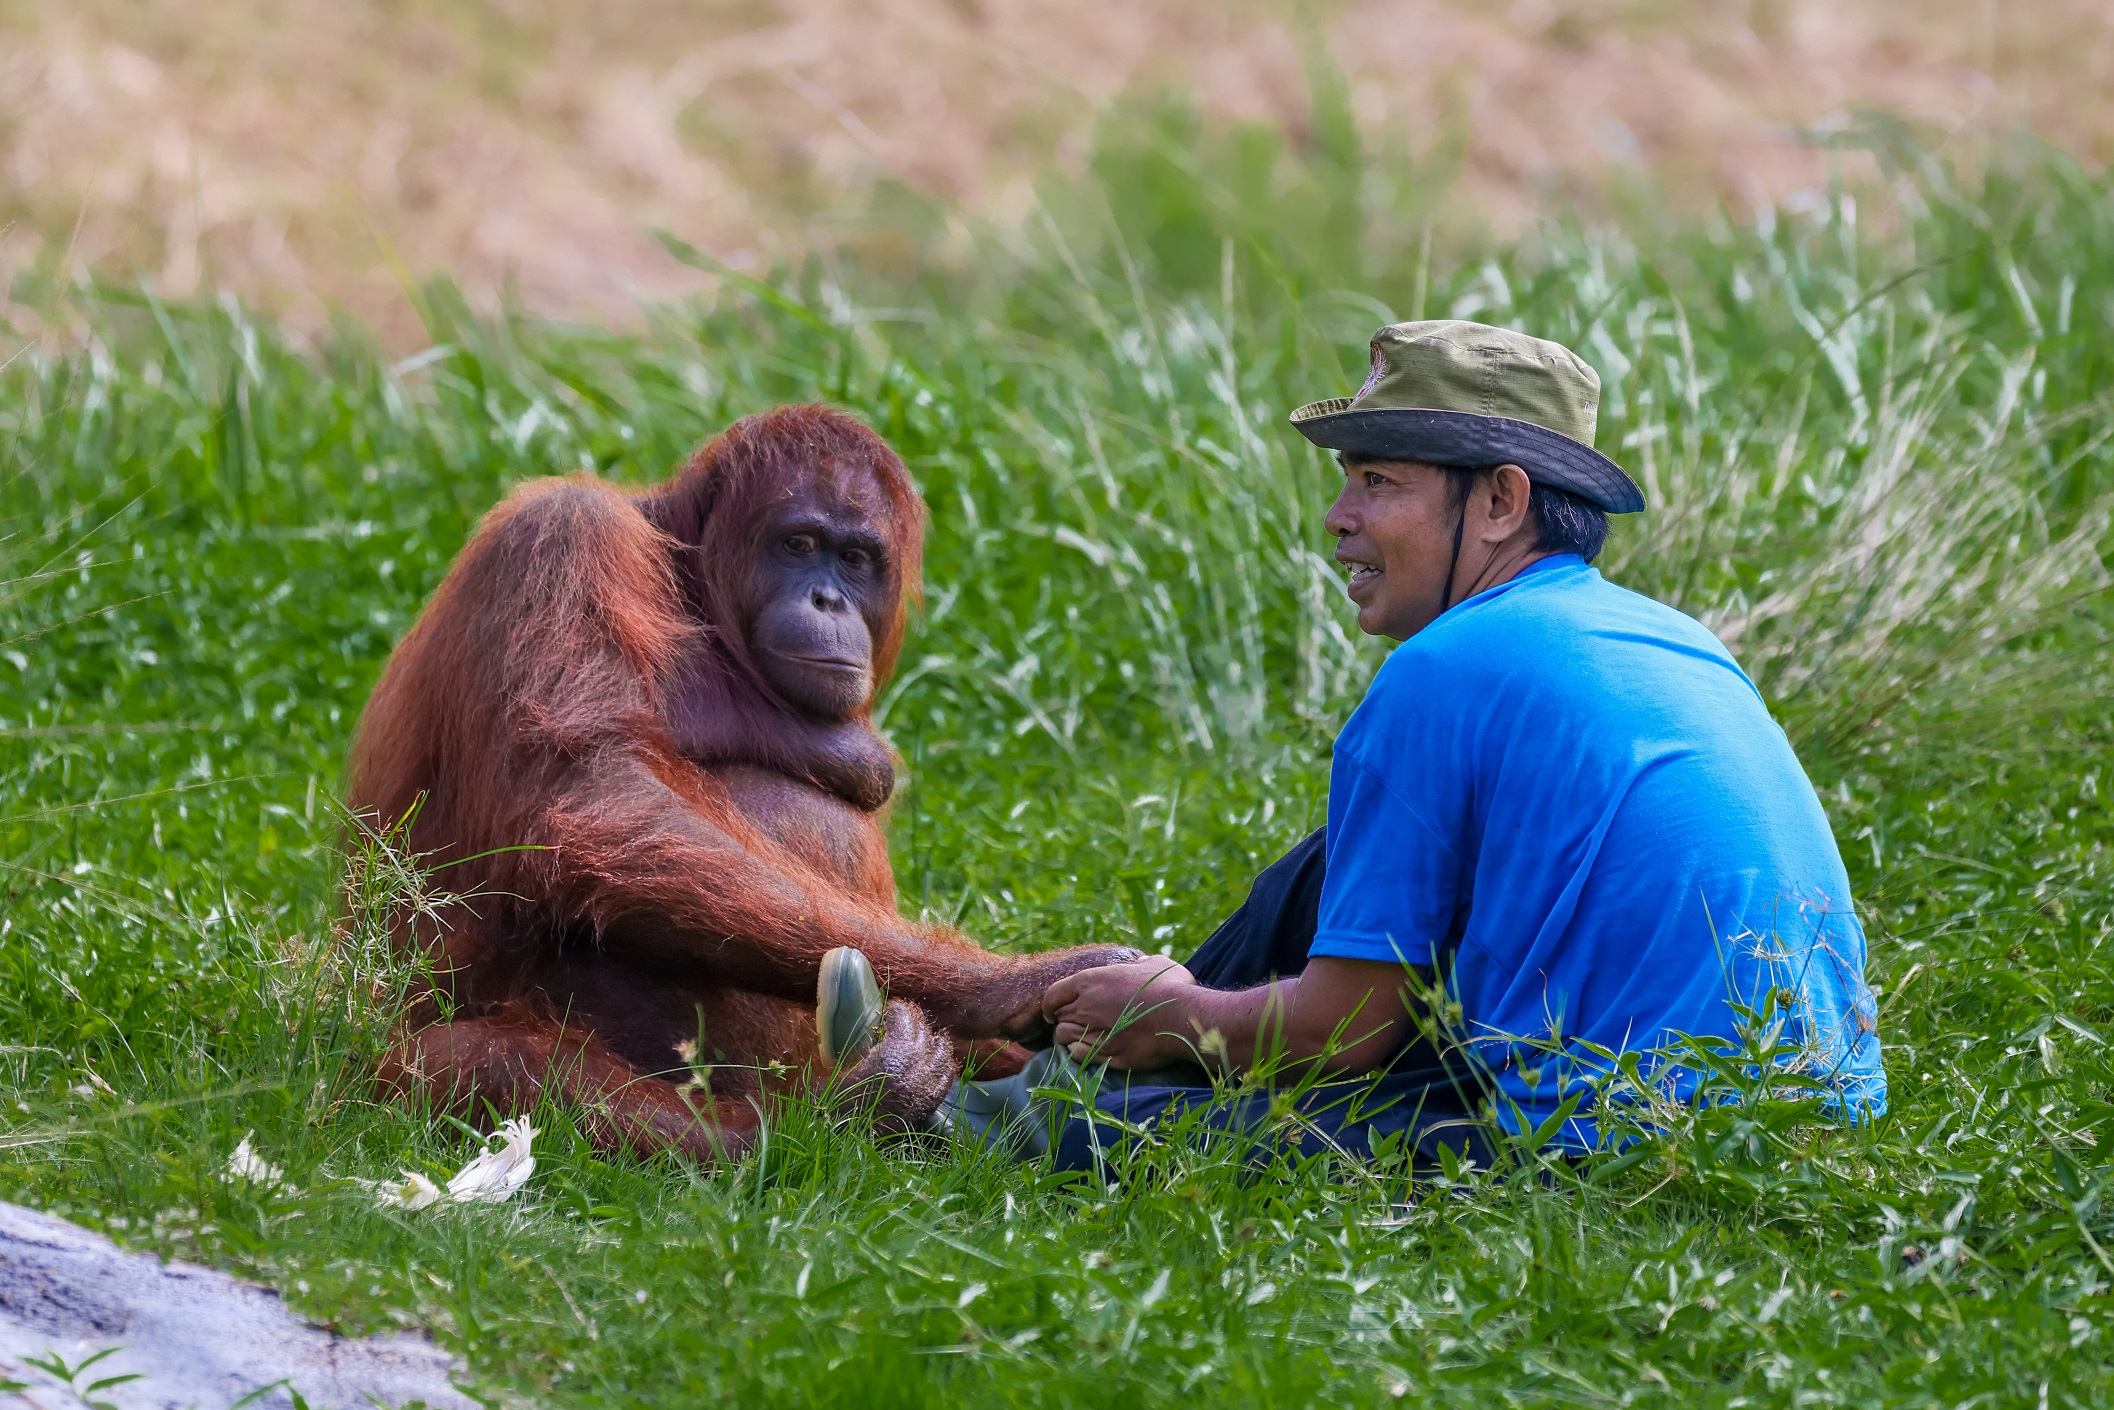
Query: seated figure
[633,734]
[1561,804]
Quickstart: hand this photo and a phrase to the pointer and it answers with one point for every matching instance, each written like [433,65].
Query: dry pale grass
[310,153]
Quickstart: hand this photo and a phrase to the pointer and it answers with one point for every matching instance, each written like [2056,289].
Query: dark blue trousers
[1422,1102]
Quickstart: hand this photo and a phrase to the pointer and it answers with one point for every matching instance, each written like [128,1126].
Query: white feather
[245,1164]
[496,1174]
[414,1191]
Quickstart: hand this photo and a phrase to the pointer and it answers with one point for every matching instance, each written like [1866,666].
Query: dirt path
[305,151]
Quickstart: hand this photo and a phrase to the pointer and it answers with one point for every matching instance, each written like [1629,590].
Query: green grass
[1882,465]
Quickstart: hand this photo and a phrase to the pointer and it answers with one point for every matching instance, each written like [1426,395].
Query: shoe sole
[848,1006]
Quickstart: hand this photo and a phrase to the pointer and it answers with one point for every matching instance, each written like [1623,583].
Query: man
[1561,802]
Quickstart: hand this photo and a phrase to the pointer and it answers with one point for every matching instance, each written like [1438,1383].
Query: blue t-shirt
[1576,792]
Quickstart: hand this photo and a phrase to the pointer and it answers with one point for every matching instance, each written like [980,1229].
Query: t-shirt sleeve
[1391,889]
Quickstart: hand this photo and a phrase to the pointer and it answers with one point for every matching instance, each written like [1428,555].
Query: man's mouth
[1362,572]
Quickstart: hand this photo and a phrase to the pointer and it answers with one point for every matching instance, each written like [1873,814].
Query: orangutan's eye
[858,558]
[800,544]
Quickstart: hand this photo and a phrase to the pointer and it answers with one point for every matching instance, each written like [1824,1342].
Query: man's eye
[802,544]
[1374,480]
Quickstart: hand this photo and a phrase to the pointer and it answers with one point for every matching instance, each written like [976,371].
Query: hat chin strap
[1460,520]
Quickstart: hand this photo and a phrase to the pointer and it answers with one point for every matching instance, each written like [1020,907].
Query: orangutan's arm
[694,895]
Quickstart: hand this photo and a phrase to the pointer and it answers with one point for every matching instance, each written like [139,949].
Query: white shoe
[1005,1112]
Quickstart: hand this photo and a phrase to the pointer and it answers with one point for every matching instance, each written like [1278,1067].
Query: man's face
[1394,529]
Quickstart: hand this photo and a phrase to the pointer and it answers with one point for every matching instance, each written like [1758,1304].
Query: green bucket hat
[1445,392]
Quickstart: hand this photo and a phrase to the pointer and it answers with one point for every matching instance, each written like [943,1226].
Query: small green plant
[90,1395]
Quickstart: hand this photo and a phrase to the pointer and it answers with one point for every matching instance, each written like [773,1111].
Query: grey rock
[197,1338]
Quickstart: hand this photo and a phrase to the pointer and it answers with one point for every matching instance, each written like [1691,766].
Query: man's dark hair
[1563,522]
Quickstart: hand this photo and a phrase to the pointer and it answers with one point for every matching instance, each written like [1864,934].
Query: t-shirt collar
[1552,563]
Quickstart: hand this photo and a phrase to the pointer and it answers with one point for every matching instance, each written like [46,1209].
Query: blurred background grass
[1872,411]
[314,155]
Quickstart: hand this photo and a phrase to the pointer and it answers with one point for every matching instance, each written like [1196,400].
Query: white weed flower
[414,1191]
[495,1175]
[245,1164]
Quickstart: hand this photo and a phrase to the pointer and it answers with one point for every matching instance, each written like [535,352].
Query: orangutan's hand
[1007,1001]
[1128,1016]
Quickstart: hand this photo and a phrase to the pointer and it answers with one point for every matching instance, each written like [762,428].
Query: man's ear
[1509,492]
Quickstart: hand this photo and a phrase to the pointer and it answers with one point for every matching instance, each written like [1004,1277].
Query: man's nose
[1340,521]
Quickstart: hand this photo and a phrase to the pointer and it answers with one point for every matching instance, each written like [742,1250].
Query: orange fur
[580,686]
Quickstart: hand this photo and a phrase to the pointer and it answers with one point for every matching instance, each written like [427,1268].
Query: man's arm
[1153,1012]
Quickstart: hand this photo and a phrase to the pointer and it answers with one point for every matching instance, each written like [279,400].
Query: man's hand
[1133,1015]
[1350,1016]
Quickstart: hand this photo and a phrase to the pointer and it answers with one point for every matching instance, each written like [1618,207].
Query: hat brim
[1466,440]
